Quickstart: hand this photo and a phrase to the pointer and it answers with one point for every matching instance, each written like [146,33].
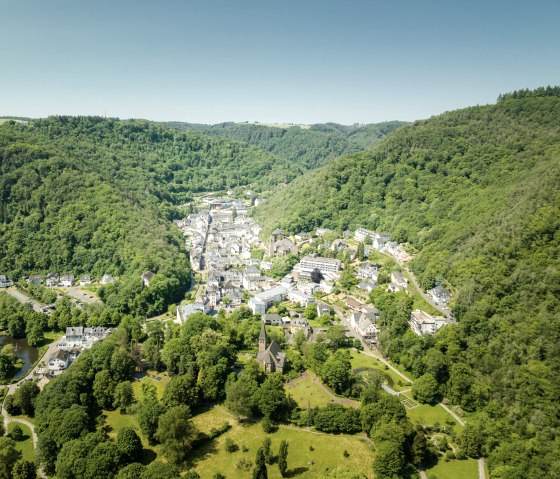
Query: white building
[85,280]
[366,328]
[324,265]
[107,279]
[66,280]
[439,294]
[4,282]
[362,233]
[423,323]
[58,362]
[52,280]
[262,301]
[78,337]
[184,311]
[399,279]
[299,297]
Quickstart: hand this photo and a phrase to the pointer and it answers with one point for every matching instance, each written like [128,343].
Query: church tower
[262,339]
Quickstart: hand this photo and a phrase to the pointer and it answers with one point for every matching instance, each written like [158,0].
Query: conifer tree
[260,471]
[283,458]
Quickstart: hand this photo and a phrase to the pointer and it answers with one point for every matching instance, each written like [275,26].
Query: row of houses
[363,320]
[72,344]
[53,280]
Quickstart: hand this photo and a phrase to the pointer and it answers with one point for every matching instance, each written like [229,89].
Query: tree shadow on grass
[201,453]
[296,471]
[147,456]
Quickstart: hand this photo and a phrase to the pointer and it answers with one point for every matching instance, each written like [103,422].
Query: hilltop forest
[88,195]
[96,196]
[477,193]
[309,147]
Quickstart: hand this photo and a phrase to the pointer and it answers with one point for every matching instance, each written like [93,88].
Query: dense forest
[87,195]
[477,192]
[309,147]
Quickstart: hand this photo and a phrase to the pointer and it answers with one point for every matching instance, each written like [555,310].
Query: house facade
[5,282]
[423,323]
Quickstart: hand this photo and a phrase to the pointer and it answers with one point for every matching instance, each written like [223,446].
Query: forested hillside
[95,196]
[477,192]
[308,147]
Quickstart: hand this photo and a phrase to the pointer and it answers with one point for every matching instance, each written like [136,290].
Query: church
[272,358]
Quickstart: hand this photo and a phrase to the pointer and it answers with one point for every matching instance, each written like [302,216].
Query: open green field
[327,453]
[307,393]
[467,469]
[116,421]
[26,446]
[360,360]
[159,384]
[429,415]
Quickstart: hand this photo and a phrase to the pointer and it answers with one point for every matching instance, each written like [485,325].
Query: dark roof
[440,291]
[274,348]
[262,335]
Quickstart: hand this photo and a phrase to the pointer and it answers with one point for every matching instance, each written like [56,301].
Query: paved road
[426,296]
[346,323]
[12,389]
[388,364]
[22,298]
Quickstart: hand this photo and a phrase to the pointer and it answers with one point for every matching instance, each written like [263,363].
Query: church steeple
[262,338]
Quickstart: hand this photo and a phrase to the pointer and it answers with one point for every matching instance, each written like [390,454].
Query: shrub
[267,425]
[461,455]
[17,433]
[244,464]
[218,431]
[230,446]
[346,453]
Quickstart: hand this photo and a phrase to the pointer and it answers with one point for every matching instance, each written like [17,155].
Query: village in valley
[303,282]
[300,287]
[294,282]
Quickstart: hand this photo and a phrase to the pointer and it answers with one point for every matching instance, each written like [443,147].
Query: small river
[23,351]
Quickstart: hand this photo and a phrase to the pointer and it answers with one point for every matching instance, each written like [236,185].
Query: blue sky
[303,61]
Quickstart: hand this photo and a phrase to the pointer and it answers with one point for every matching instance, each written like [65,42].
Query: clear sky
[300,61]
